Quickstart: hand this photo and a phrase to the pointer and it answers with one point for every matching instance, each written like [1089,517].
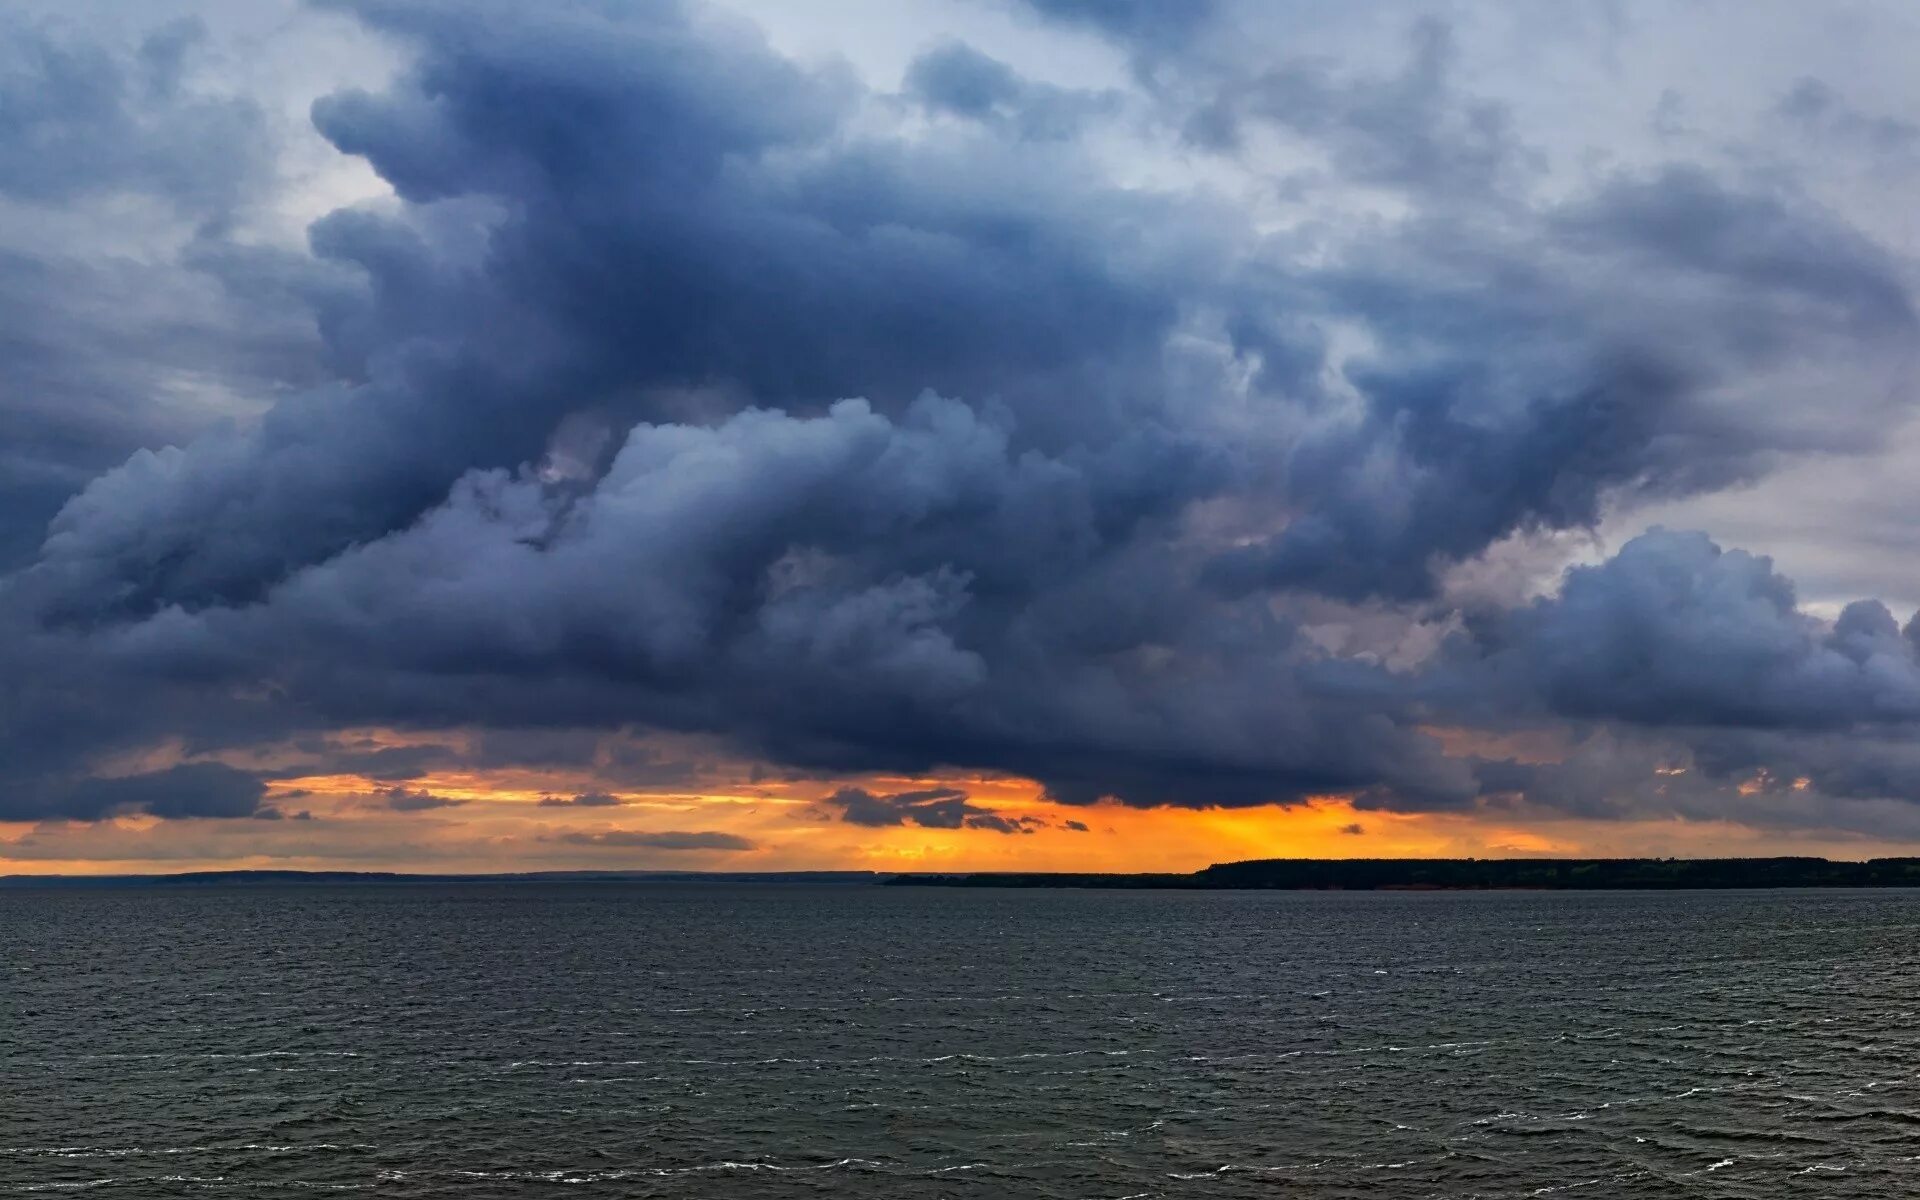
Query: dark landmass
[256,878]
[1293,874]
[1470,874]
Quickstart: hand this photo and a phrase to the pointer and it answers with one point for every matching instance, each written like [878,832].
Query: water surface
[639,1040]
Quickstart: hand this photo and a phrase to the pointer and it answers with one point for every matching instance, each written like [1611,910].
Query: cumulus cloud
[875,270]
[1676,631]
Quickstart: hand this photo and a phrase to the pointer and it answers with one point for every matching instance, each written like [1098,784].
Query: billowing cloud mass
[1675,631]
[1178,406]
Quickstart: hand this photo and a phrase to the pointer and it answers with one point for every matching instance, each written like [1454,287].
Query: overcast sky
[1053,433]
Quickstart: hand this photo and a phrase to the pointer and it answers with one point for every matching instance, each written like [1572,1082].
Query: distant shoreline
[257,878]
[1469,874]
[1274,874]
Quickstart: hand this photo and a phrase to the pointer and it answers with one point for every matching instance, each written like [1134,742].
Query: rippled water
[710,1041]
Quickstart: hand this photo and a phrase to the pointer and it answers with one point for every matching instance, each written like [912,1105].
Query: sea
[701,1040]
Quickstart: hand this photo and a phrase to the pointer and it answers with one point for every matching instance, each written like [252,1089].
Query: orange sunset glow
[497,822]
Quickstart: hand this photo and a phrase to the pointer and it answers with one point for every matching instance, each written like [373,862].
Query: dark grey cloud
[664,840]
[935,808]
[1777,780]
[674,393]
[1821,111]
[583,800]
[187,790]
[1699,687]
[1000,824]
[1826,766]
[954,78]
[401,799]
[359,756]
[931,808]
[1410,129]
[576,177]
[1147,26]
[136,336]
[1797,264]
[1542,359]
[789,567]
[1675,631]
[83,119]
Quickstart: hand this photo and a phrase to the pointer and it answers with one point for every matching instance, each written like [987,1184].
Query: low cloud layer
[1210,430]
[583,800]
[188,790]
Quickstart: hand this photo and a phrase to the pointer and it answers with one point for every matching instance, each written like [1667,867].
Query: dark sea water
[720,1041]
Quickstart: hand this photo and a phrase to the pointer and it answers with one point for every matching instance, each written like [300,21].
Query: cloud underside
[677,390]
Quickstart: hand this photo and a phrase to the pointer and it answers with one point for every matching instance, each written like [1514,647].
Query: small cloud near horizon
[400,799]
[583,800]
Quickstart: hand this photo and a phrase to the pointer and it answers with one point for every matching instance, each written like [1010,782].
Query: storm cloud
[1675,631]
[188,790]
[1160,436]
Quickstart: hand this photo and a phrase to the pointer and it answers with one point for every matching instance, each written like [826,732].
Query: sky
[955,434]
